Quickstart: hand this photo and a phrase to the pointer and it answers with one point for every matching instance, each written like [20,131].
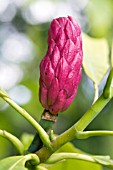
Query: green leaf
[75,164]
[69,147]
[72,163]
[95,60]
[18,162]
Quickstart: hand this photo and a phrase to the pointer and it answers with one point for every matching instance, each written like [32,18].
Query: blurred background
[23,42]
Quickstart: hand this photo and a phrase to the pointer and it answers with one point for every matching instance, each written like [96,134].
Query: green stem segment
[92,113]
[109,83]
[46,122]
[43,135]
[87,134]
[98,105]
[14,140]
[102,160]
[56,157]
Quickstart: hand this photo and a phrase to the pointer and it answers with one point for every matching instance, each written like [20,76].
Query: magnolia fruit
[61,68]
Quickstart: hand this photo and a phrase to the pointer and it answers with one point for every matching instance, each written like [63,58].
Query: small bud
[60,69]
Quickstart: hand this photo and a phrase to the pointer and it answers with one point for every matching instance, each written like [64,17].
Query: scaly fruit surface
[61,68]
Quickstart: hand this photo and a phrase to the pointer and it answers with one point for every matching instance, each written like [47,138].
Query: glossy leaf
[75,164]
[17,162]
[95,60]
[72,163]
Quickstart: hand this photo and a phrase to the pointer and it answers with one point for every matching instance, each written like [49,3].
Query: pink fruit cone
[60,69]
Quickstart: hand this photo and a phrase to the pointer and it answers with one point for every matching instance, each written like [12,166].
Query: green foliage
[17,162]
[96,58]
[75,164]
[14,163]
[96,73]
[96,64]
[72,163]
